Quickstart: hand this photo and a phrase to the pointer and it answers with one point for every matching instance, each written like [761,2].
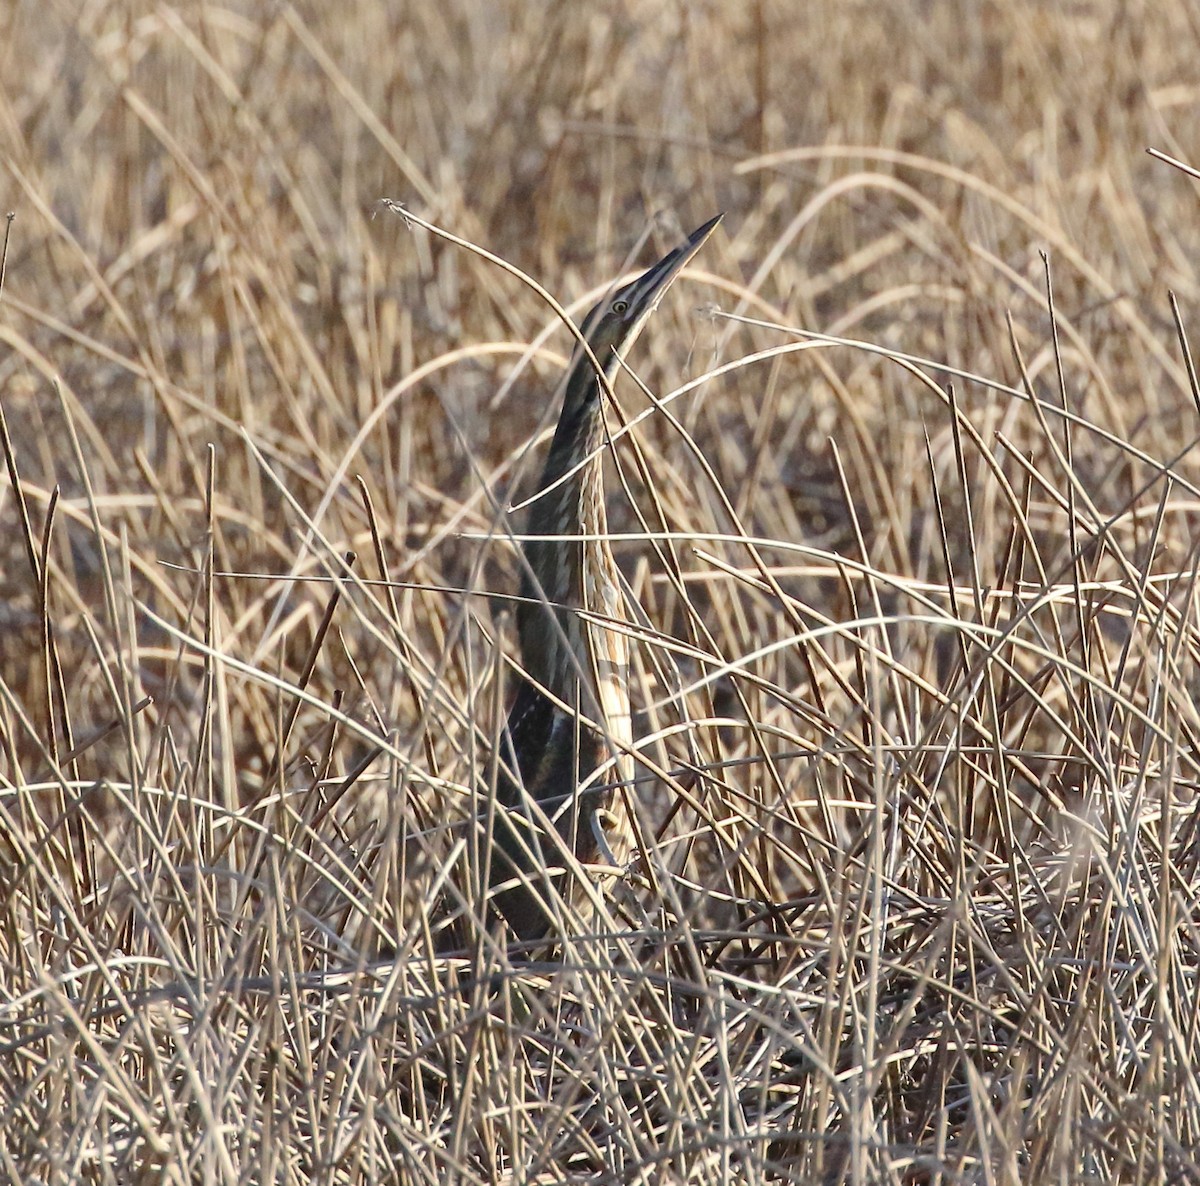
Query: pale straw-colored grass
[904,488]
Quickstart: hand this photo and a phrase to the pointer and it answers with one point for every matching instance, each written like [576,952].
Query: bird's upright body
[571,712]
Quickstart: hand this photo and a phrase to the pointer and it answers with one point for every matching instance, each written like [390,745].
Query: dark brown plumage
[575,664]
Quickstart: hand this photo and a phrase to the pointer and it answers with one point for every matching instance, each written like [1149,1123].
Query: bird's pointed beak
[644,294]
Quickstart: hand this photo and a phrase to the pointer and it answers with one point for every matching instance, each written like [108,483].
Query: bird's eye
[620,306]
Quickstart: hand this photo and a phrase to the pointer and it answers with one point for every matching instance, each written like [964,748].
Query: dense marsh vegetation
[906,489]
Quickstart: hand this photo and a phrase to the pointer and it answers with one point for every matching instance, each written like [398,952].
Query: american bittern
[571,711]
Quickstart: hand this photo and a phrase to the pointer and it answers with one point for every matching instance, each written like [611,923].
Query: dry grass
[910,514]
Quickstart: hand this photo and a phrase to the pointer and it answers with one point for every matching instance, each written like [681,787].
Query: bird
[571,713]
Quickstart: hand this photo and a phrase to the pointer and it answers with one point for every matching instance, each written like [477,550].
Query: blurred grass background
[921,761]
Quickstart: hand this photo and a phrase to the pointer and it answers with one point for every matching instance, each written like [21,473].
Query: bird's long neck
[556,742]
[566,575]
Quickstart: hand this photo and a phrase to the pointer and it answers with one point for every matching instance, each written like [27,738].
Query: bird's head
[614,323]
